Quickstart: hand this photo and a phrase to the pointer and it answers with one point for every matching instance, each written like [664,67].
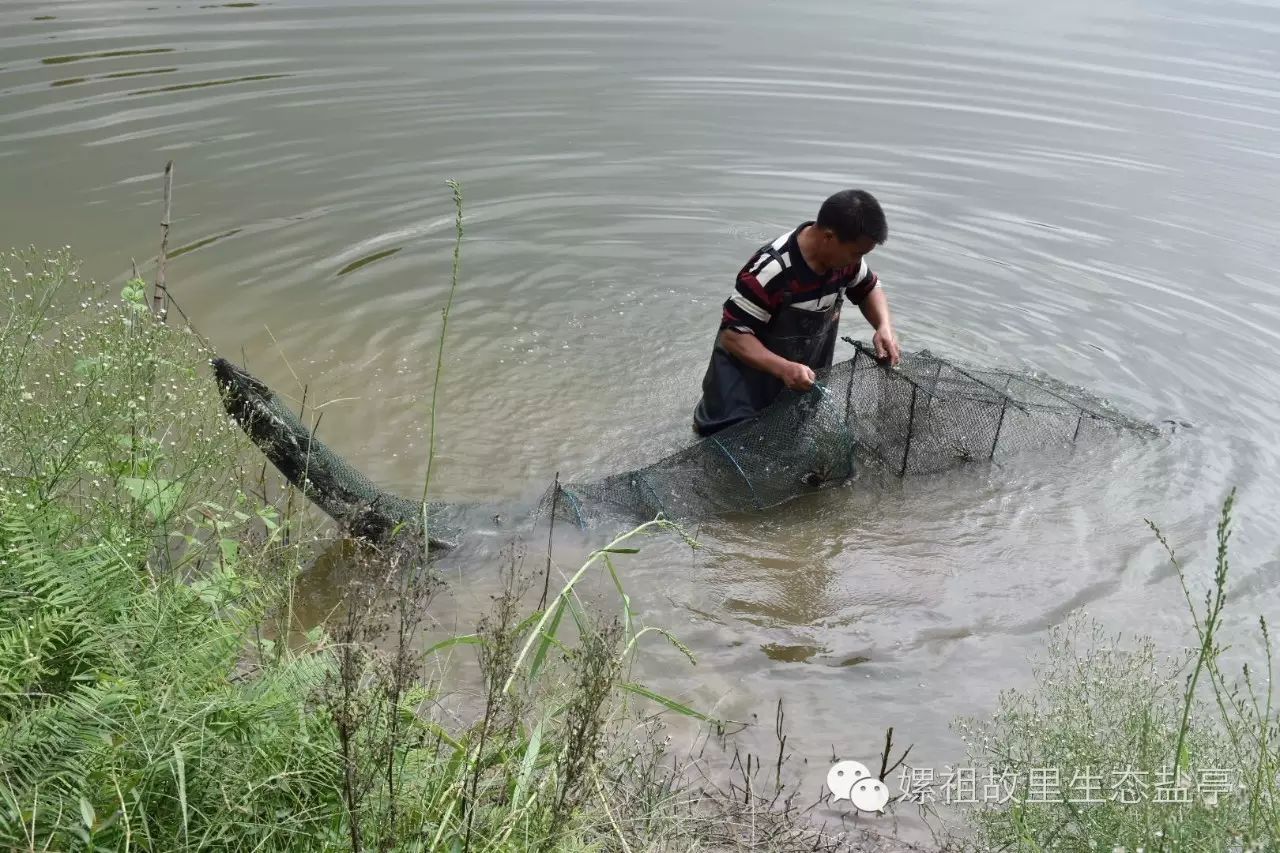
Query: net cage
[927,414]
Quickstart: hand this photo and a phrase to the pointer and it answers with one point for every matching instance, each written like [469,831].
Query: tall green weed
[1119,747]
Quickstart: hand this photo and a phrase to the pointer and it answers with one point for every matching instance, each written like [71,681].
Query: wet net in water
[928,414]
[333,484]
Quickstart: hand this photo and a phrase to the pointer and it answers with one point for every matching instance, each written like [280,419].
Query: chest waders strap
[777,256]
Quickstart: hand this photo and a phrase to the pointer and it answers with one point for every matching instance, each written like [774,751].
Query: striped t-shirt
[777,275]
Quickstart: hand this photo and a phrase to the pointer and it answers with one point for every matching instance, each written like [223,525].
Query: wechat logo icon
[850,780]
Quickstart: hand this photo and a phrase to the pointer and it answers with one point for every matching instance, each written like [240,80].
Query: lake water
[1089,189]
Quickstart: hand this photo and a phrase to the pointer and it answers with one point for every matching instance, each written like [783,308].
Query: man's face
[840,255]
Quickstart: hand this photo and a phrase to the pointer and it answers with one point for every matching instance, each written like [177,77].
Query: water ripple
[1089,191]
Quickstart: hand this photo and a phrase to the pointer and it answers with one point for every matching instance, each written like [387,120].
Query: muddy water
[1089,189]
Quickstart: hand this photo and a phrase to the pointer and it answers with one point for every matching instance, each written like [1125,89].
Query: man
[779,326]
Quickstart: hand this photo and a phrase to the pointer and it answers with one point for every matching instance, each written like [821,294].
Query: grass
[1140,751]
[156,692]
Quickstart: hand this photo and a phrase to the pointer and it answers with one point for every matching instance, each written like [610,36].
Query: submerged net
[927,414]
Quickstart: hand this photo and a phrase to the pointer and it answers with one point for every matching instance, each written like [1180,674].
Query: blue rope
[746,479]
[844,427]
[577,508]
[644,481]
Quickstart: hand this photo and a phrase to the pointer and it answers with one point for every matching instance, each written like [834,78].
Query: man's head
[850,224]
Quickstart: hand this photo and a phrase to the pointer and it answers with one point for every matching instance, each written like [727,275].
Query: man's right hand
[796,376]
[747,348]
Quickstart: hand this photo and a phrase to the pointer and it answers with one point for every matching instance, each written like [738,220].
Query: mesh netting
[926,415]
[346,495]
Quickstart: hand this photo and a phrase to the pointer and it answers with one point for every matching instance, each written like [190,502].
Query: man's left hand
[886,345]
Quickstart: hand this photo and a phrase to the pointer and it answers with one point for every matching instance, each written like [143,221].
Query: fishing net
[346,495]
[925,415]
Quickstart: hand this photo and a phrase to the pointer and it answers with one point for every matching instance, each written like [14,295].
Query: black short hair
[852,215]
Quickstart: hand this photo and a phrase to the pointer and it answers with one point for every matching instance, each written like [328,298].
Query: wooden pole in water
[911,423]
[159,296]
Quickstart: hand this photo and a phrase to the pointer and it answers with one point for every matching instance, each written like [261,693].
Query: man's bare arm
[746,348]
[875,308]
